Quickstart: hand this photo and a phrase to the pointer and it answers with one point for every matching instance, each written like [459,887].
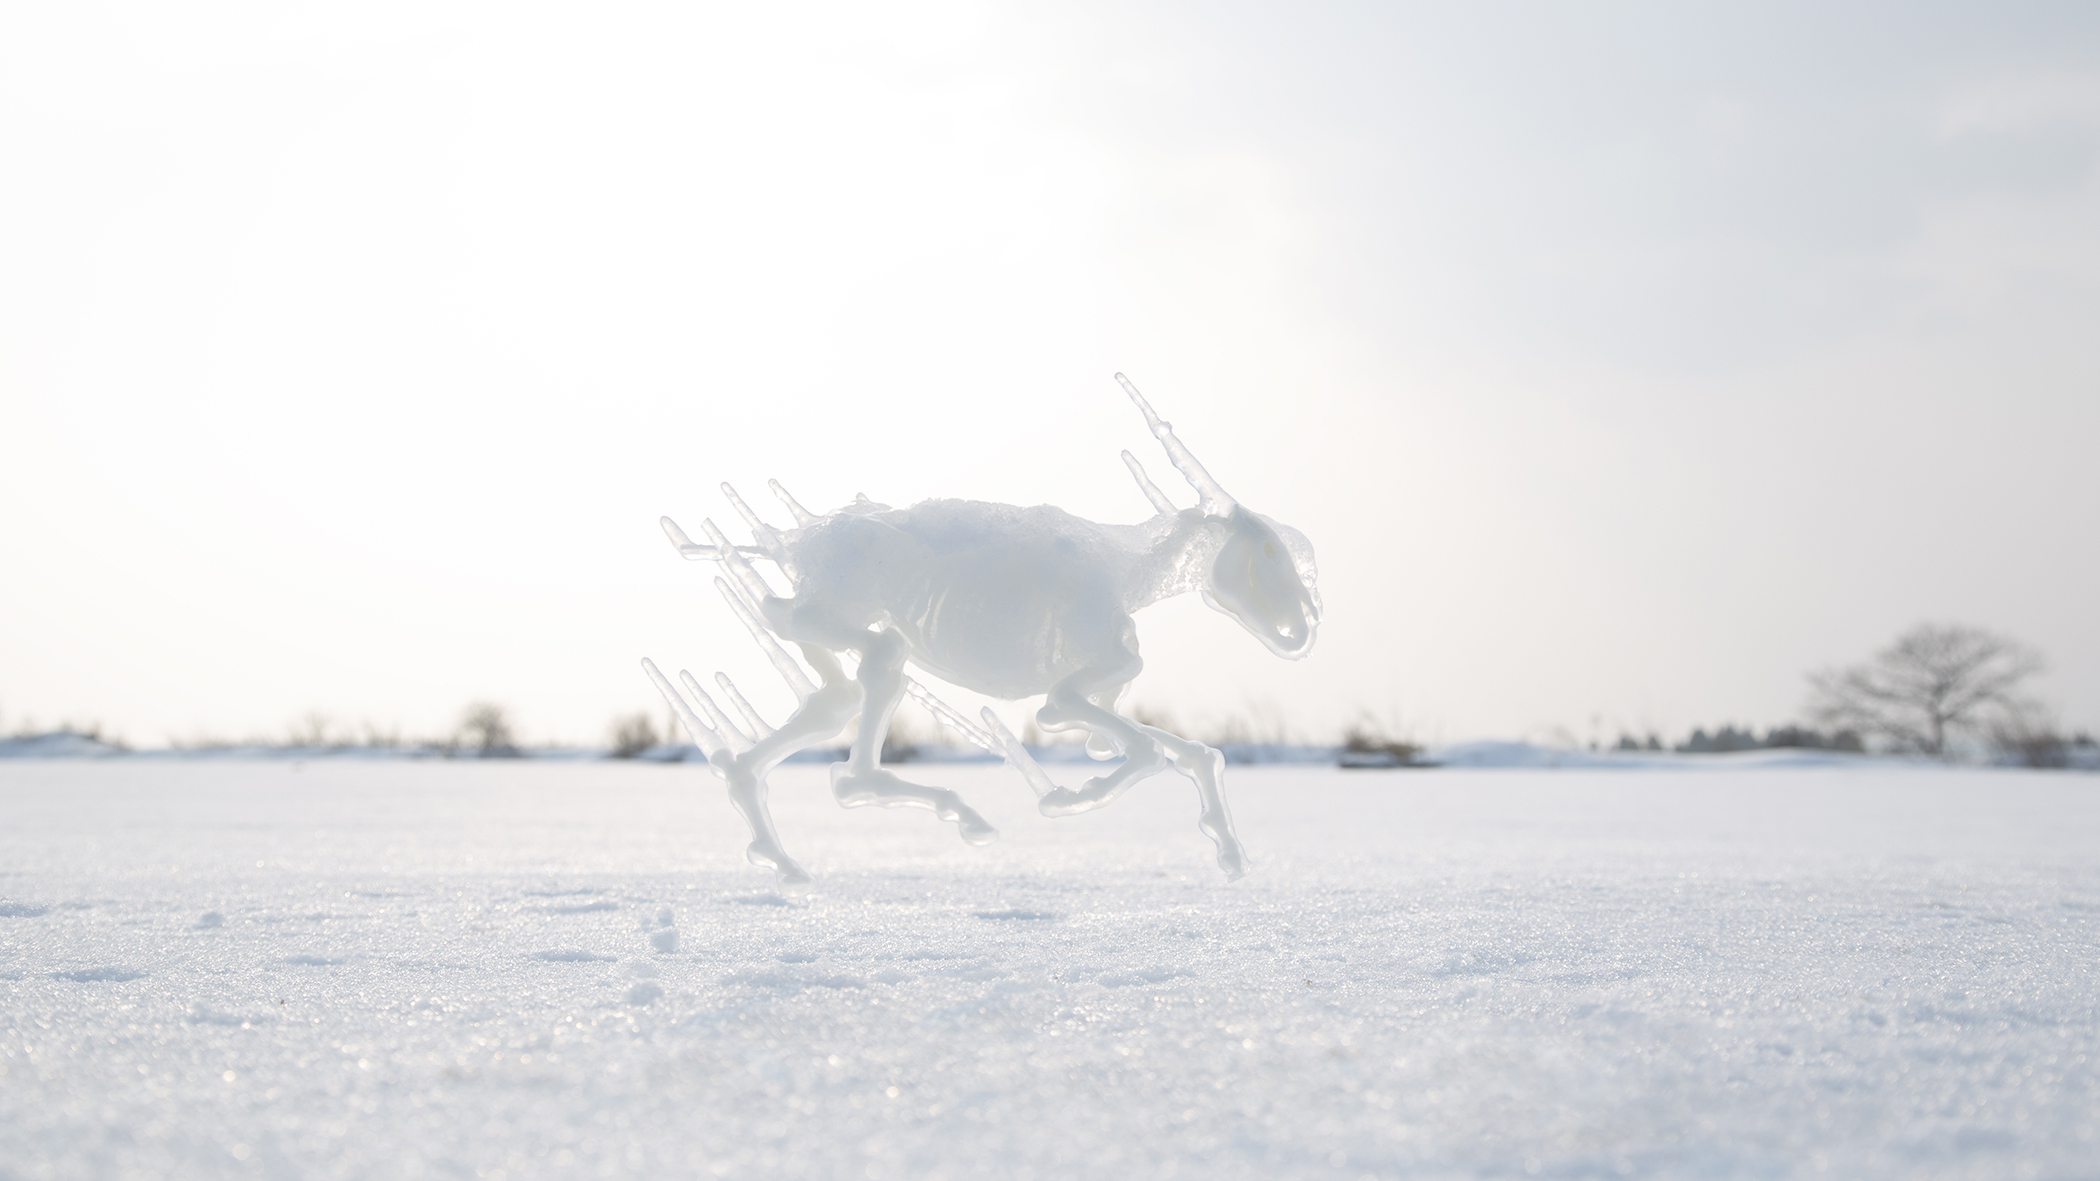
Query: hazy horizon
[1623,365]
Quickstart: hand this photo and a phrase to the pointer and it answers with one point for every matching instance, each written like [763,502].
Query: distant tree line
[1728,739]
[1942,691]
[1938,690]
[484,731]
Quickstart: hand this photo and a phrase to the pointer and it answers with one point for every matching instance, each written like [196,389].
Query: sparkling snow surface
[524,970]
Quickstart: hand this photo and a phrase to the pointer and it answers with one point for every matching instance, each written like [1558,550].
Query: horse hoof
[1064,802]
[790,873]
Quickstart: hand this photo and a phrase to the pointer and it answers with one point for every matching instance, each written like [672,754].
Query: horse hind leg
[747,794]
[823,716]
[744,760]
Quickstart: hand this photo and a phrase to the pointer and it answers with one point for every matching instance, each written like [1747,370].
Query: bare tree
[485,728]
[1935,680]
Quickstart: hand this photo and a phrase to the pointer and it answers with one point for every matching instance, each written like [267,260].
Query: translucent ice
[1009,602]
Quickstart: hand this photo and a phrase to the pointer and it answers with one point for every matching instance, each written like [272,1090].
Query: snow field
[565,970]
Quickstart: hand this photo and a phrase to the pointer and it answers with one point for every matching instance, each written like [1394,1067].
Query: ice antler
[1160,503]
[803,517]
[1216,501]
[747,578]
[688,548]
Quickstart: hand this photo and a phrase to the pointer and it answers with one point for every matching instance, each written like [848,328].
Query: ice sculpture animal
[1009,602]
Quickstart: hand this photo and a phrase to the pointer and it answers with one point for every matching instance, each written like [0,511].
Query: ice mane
[1157,558]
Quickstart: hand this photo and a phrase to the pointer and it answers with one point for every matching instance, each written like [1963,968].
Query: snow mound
[1515,755]
[60,745]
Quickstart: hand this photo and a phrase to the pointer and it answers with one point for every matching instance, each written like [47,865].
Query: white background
[1623,363]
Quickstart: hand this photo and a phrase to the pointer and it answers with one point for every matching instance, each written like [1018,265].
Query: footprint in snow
[200,1015]
[98,975]
[585,907]
[568,955]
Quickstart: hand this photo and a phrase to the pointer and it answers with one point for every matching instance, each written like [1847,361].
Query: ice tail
[738,741]
[703,735]
[950,716]
[782,663]
[1018,755]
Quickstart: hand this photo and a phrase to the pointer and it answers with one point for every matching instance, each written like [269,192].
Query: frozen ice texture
[1009,602]
[1653,974]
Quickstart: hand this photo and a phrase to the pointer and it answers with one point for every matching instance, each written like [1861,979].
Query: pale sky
[1624,362]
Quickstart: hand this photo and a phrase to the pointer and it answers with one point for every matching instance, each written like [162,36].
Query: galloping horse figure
[1009,602]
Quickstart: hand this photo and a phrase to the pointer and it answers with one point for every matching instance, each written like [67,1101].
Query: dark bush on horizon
[632,734]
[2026,735]
[1365,739]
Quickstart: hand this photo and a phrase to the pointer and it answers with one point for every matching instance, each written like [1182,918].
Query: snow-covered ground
[526,969]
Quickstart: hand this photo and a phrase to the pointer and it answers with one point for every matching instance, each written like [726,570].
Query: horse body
[1009,602]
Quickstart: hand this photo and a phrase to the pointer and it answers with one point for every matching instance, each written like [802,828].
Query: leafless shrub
[632,734]
[312,729]
[1935,681]
[1256,722]
[2025,734]
[1155,717]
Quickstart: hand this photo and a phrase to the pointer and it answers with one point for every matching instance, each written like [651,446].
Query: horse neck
[1178,560]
